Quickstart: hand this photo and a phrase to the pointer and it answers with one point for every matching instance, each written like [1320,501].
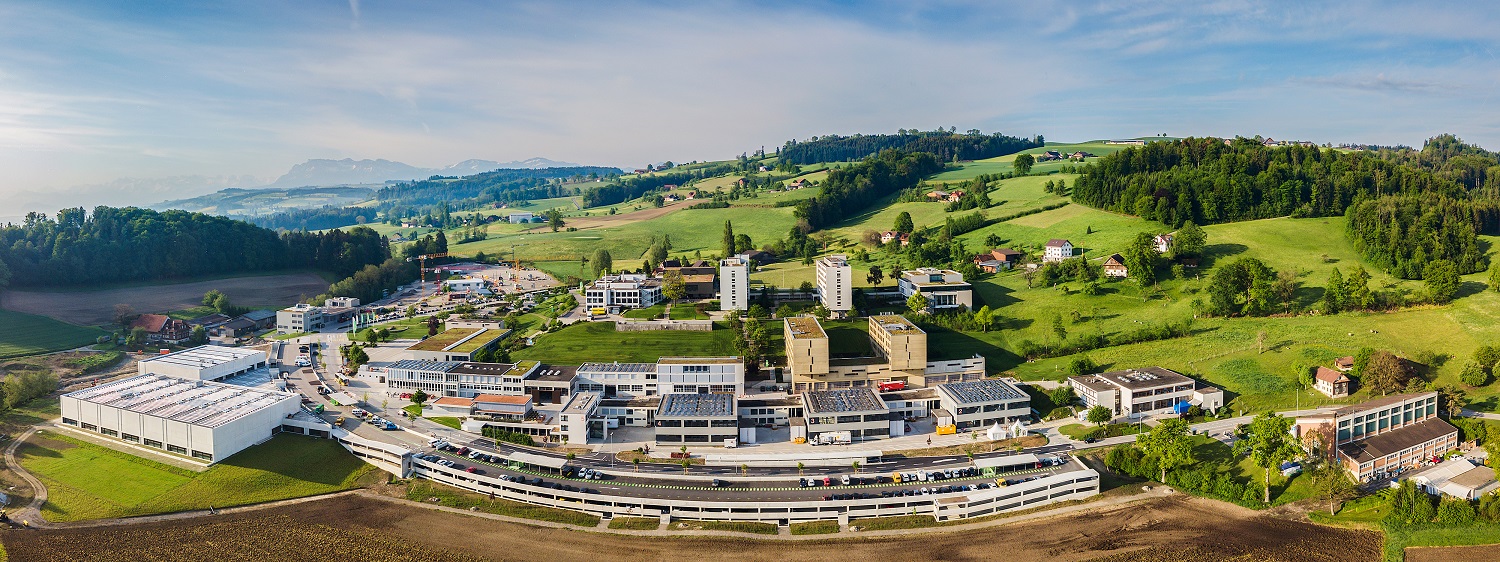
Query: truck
[833,438]
[318,409]
[891,386]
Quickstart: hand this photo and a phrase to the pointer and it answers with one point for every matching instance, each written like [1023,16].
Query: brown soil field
[359,528]
[1481,553]
[93,308]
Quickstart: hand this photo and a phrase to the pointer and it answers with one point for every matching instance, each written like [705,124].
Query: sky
[99,100]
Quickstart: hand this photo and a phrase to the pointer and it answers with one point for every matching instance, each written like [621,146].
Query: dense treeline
[1206,181]
[132,244]
[373,281]
[849,190]
[946,145]
[496,186]
[631,187]
[1402,233]
[1452,159]
[321,218]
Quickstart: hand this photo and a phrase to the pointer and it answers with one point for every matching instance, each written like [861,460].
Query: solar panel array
[424,365]
[705,405]
[846,400]
[618,367]
[973,392]
[199,403]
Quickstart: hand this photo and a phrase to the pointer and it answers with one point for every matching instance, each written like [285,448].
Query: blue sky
[91,92]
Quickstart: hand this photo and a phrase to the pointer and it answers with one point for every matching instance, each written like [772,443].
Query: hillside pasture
[628,236]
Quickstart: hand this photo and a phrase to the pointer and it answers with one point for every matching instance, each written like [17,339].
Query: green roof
[443,340]
[482,339]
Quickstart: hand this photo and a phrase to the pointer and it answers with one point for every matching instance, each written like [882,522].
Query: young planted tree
[916,303]
[1170,442]
[419,397]
[1268,442]
[1331,482]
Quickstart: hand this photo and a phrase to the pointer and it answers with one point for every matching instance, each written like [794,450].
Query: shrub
[1454,511]
[509,436]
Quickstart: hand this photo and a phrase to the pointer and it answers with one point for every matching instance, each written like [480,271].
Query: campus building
[205,362]
[204,420]
[854,414]
[1383,436]
[696,419]
[984,403]
[457,344]
[836,285]
[734,283]
[899,356]
[463,379]
[1145,391]
[943,288]
[696,375]
[630,290]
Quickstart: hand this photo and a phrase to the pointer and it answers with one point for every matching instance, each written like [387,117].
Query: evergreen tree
[728,239]
[1442,280]
[601,263]
[1357,294]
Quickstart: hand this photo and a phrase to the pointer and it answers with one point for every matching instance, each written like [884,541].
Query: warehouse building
[984,403]
[205,362]
[1383,436]
[204,420]
[696,419]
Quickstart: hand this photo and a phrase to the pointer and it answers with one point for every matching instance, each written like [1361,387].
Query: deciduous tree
[1268,442]
[1170,442]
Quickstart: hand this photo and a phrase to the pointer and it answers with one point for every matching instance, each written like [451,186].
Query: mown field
[28,334]
[599,342]
[287,466]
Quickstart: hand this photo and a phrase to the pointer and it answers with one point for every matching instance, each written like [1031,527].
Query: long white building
[734,283]
[205,362]
[631,290]
[204,420]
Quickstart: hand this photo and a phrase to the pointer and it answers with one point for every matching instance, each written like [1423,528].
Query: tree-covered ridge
[1207,181]
[489,187]
[1403,233]
[849,190]
[1450,158]
[946,145]
[132,244]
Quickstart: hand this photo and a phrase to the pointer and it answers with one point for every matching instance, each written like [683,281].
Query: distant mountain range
[323,172]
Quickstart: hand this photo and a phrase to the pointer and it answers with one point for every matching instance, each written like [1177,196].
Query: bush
[1454,511]
[509,436]
[1060,412]
[1081,366]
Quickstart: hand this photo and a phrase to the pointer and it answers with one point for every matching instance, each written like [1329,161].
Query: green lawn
[814,527]
[28,334]
[648,313]
[287,466]
[413,409]
[687,311]
[1081,431]
[737,526]
[848,338]
[420,490]
[445,420]
[1002,164]
[635,523]
[598,341]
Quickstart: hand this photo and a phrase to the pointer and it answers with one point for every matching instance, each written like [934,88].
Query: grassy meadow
[27,334]
[287,466]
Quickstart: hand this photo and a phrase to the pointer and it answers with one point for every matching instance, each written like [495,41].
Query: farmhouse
[1383,436]
[1331,383]
[1114,266]
[208,421]
[206,362]
[161,328]
[1344,364]
[1057,250]
[209,322]
[891,236]
[836,284]
[630,290]
[1163,243]
[943,288]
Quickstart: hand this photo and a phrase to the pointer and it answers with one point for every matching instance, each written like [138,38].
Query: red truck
[892,386]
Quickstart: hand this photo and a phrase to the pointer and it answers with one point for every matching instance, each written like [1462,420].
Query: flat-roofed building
[453,406]
[900,355]
[901,341]
[502,407]
[734,283]
[943,288]
[1138,392]
[457,344]
[1382,436]
[688,419]
[204,420]
[580,420]
[984,403]
[806,346]
[836,284]
[205,362]
[700,375]
[630,290]
[300,318]
[858,411]
[623,380]
[463,379]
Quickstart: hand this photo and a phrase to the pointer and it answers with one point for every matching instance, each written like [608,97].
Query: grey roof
[1144,377]
[988,390]
[201,403]
[554,373]
[258,315]
[425,365]
[843,400]
[204,356]
[618,367]
[1396,440]
[678,405]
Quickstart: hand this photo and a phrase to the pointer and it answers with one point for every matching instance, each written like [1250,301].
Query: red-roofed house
[1331,383]
[453,405]
[162,328]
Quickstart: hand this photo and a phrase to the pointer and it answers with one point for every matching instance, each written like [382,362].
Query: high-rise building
[734,283]
[836,284]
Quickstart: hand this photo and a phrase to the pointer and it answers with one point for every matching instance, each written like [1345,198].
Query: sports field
[287,466]
[29,334]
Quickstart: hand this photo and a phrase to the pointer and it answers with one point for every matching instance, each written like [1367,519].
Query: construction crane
[422,267]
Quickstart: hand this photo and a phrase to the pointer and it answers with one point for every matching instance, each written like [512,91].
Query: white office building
[205,362]
[700,375]
[836,284]
[631,290]
[734,283]
[204,420]
[1144,391]
[943,288]
[300,318]
[984,403]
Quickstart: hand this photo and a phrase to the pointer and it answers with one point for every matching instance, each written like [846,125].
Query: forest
[631,187]
[1208,180]
[110,245]
[490,187]
[849,190]
[316,219]
[946,145]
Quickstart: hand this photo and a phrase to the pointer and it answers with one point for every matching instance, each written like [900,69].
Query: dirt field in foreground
[1482,553]
[92,308]
[357,528]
